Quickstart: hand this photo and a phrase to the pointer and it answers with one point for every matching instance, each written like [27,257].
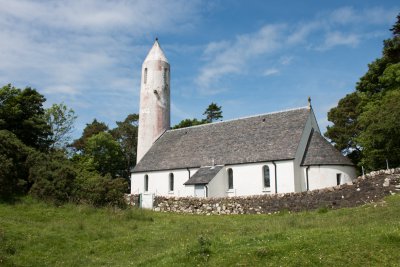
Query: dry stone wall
[365,189]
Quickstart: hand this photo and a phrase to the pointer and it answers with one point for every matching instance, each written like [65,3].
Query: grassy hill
[37,234]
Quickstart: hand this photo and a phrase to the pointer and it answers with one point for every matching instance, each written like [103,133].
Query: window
[230,179]
[266,176]
[165,73]
[146,183]
[338,178]
[145,76]
[171,182]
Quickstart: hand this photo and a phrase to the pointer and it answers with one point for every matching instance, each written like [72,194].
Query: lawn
[34,233]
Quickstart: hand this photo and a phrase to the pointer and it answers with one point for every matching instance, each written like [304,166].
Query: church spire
[156,53]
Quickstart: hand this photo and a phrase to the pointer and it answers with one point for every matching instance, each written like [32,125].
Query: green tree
[105,153]
[213,112]
[364,122]
[14,168]
[22,113]
[53,177]
[126,134]
[380,138]
[188,122]
[61,121]
[91,129]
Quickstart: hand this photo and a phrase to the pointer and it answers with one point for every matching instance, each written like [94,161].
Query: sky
[250,57]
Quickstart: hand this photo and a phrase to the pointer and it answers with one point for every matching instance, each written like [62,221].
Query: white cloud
[229,57]
[337,38]
[269,72]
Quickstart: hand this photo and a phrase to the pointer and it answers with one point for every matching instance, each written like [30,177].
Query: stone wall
[365,189]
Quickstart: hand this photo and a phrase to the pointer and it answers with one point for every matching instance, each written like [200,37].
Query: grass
[37,234]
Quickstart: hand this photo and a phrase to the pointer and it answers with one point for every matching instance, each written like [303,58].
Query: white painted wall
[325,176]
[159,183]
[299,182]
[217,186]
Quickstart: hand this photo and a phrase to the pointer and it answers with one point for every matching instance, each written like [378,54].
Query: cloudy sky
[249,56]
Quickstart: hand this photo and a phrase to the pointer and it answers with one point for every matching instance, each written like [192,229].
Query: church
[278,152]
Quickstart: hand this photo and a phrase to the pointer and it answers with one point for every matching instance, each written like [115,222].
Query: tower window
[165,75]
[171,182]
[145,76]
[230,178]
[266,177]
[146,183]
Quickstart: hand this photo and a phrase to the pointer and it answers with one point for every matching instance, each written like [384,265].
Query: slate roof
[273,136]
[204,175]
[321,152]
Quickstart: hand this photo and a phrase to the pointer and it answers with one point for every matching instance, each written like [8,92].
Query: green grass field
[38,234]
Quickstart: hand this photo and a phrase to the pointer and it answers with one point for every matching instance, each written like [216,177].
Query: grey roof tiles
[204,175]
[321,152]
[273,136]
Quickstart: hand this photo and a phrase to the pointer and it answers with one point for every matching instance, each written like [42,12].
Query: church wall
[326,176]
[217,187]
[299,181]
[159,183]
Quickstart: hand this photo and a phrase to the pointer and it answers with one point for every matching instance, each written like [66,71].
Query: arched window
[230,178]
[165,73]
[146,183]
[266,176]
[145,76]
[171,182]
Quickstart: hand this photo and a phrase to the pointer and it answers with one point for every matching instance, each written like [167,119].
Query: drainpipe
[188,172]
[206,190]
[276,178]
[308,186]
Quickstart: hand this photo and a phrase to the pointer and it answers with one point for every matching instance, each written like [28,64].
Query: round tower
[154,113]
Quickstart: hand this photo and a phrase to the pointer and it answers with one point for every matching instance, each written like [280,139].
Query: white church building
[277,152]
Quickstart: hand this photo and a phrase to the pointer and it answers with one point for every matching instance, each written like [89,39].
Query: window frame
[264,168]
[230,179]
[171,183]
[146,183]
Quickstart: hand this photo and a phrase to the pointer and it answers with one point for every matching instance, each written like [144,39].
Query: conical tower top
[156,53]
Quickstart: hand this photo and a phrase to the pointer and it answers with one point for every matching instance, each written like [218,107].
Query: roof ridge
[240,118]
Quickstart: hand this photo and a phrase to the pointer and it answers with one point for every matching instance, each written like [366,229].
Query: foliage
[61,121]
[53,177]
[105,153]
[22,113]
[126,134]
[213,112]
[13,166]
[36,234]
[380,139]
[364,122]
[91,129]
[345,127]
[94,189]
[188,122]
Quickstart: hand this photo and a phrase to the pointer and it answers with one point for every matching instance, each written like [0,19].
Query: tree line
[366,123]
[39,157]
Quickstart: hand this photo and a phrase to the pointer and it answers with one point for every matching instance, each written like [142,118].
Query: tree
[345,127]
[188,122]
[53,177]
[13,165]
[61,121]
[380,138]
[91,129]
[126,134]
[22,113]
[213,112]
[365,122]
[105,153]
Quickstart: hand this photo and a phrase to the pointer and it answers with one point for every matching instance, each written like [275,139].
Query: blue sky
[250,57]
